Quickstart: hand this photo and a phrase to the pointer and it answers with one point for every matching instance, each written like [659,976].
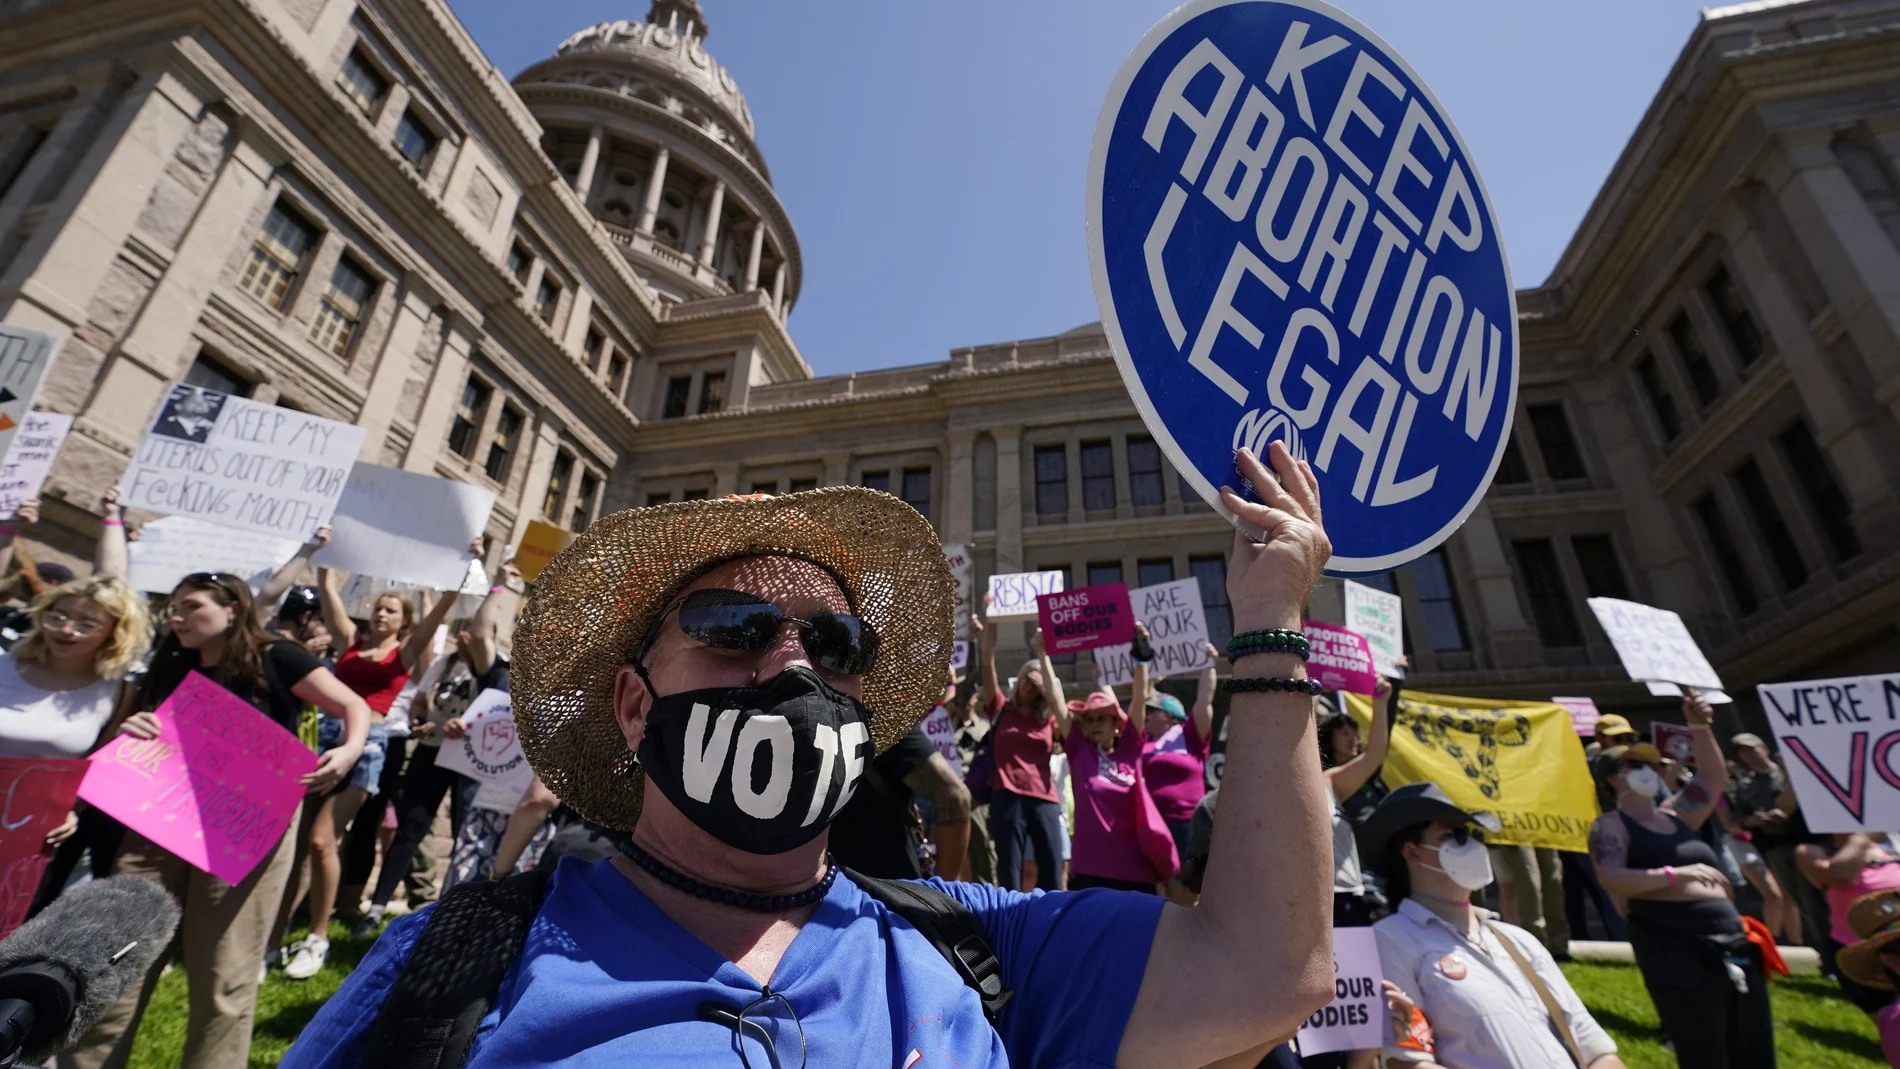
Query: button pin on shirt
[1453,968]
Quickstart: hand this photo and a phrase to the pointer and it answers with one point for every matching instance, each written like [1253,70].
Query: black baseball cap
[1411,805]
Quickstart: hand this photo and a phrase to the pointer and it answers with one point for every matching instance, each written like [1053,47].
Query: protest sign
[1837,739]
[489,752]
[1177,629]
[1673,741]
[1519,760]
[1653,644]
[1355,1019]
[942,735]
[35,796]
[1085,618]
[538,546]
[1340,659]
[1379,618]
[963,576]
[1345,293]
[235,462]
[172,547]
[1013,594]
[217,787]
[405,526]
[1583,715]
[501,796]
[960,653]
[24,357]
[35,444]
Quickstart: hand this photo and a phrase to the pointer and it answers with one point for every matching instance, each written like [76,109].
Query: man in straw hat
[1873,962]
[713,676]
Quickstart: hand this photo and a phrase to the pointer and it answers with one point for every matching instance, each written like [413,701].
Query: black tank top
[1678,846]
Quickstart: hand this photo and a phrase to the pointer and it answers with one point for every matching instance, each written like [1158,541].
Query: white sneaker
[306,958]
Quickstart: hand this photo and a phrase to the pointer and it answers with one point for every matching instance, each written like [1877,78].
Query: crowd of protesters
[819,622]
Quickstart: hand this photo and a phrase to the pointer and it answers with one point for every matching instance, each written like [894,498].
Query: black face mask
[762,769]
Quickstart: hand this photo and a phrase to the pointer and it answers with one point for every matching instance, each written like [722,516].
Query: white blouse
[51,723]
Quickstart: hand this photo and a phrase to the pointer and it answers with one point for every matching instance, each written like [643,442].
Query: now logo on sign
[712,753]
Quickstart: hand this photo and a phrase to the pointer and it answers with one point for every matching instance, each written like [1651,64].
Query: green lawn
[1814,1027]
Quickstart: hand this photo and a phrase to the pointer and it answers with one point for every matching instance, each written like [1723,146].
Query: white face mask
[1467,864]
[1643,781]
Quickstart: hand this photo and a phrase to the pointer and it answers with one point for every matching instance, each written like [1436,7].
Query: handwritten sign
[963,576]
[35,796]
[35,444]
[1583,715]
[1084,619]
[1013,594]
[942,735]
[538,546]
[1837,738]
[489,752]
[1380,618]
[404,526]
[217,787]
[24,357]
[1654,644]
[172,547]
[960,654]
[1355,1019]
[1673,741]
[241,464]
[1340,659]
[1177,628]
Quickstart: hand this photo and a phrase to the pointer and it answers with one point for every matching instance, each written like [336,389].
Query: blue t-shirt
[607,978]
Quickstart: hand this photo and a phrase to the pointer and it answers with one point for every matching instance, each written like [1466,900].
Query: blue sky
[932,154]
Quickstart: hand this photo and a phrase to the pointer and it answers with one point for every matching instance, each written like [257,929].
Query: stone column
[164,324]
[1658,544]
[837,469]
[709,243]
[778,290]
[579,318]
[752,257]
[393,365]
[531,286]
[547,442]
[590,161]
[1009,498]
[656,179]
[959,516]
[445,392]
[725,480]
[1513,642]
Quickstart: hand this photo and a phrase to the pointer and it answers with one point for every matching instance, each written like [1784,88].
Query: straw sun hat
[598,598]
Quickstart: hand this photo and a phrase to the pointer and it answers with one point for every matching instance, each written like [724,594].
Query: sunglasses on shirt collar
[840,643]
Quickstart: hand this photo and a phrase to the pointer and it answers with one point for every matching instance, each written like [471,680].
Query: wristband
[113,523]
[1669,873]
[1284,684]
[8,531]
[496,589]
[1277,640]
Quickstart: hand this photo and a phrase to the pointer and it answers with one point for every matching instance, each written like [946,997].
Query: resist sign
[1087,618]
[1838,739]
[1013,594]
[1289,240]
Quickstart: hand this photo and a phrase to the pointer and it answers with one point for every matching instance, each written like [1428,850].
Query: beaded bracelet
[1276,683]
[1278,640]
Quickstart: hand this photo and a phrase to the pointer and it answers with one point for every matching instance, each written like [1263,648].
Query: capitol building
[574,288]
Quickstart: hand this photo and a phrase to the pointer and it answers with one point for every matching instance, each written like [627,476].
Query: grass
[1814,1027]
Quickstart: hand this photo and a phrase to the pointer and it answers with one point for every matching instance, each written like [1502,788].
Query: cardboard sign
[538,546]
[1013,595]
[1355,1019]
[1289,240]
[1673,741]
[1086,618]
[963,574]
[1654,644]
[24,357]
[1837,738]
[172,547]
[217,787]
[1177,628]
[35,796]
[1583,715]
[490,752]
[501,796]
[1379,617]
[1340,659]
[35,445]
[241,464]
[401,525]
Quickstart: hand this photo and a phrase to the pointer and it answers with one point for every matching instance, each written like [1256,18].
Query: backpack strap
[447,986]
[950,926]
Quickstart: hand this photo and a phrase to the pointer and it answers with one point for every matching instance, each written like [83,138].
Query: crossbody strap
[1558,1015]
[952,929]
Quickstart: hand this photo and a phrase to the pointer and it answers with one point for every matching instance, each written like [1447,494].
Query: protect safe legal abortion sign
[1289,240]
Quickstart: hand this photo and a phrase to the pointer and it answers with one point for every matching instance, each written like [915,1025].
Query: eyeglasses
[59,621]
[735,620]
[744,1029]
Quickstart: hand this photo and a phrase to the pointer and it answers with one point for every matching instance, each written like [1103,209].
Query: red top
[1022,748]
[376,682]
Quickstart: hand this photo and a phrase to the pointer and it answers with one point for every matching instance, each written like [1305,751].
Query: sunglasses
[216,579]
[1462,835]
[1094,718]
[839,643]
[1631,766]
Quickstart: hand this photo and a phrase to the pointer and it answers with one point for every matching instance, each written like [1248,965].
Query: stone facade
[573,290]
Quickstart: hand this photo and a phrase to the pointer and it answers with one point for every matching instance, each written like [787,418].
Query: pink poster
[217,787]
[1084,619]
[35,796]
[1583,715]
[1340,659]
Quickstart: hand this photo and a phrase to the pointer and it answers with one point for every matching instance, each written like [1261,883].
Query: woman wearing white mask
[1491,992]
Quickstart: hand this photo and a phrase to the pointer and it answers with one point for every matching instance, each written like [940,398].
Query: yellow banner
[1519,760]
[538,546]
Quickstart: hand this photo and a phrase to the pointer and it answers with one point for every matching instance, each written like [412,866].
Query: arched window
[617,210]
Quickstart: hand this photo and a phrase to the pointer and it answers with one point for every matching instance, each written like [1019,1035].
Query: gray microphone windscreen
[86,931]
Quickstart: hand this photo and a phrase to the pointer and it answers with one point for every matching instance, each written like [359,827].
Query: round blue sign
[1290,240]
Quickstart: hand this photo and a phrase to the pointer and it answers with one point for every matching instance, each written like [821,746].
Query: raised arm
[1254,958]
[1697,800]
[335,616]
[530,813]
[421,641]
[109,559]
[990,690]
[25,516]
[484,628]
[1203,711]
[1138,689]
[1051,686]
[285,576]
[1353,775]
[940,783]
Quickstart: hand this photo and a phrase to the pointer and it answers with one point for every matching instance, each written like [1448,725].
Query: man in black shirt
[878,832]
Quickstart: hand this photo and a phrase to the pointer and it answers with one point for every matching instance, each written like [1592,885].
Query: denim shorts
[368,772]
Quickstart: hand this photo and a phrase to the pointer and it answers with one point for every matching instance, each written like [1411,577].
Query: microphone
[61,971]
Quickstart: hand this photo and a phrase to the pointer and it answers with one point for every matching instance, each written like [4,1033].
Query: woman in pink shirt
[1847,866]
[1174,750]
[1120,841]
[1025,812]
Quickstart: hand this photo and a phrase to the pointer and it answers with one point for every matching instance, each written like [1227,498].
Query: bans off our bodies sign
[1087,618]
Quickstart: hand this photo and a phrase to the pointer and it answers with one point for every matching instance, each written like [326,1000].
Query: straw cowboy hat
[1876,919]
[600,596]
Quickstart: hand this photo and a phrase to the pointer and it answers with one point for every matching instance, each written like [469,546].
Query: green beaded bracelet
[1277,640]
